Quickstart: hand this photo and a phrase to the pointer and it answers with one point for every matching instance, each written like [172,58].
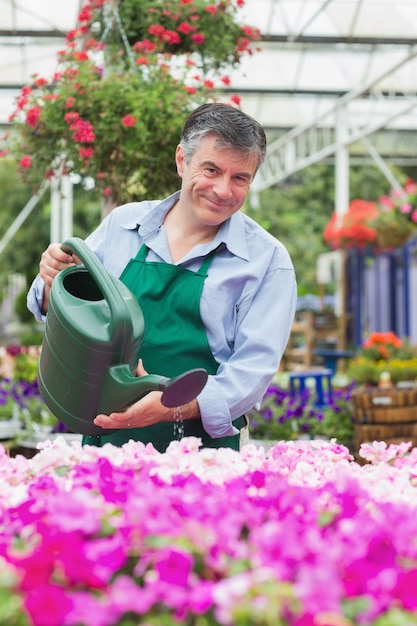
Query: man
[217,291]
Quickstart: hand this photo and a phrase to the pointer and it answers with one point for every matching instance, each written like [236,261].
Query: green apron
[174,342]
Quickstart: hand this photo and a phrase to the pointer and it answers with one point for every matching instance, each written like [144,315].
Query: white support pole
[341,164]
[55,226]
[61,208]
[67,207]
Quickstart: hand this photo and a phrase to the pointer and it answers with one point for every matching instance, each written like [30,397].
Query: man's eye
[210,170]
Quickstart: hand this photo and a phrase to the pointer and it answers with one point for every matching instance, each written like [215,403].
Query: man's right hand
[53,260]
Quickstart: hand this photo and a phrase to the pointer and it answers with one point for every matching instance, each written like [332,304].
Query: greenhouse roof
[321,62]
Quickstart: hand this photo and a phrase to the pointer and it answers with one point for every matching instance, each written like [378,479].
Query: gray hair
[234,129]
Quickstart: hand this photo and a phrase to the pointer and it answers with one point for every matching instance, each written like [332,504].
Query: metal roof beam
[311,143]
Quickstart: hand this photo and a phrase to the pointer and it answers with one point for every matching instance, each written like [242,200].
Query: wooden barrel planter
[385,415]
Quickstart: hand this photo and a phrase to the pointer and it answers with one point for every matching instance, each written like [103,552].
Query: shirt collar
[231,232]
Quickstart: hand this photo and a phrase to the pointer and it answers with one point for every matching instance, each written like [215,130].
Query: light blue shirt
[247,304]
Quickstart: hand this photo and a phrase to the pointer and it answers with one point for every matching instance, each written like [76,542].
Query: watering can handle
[120,320]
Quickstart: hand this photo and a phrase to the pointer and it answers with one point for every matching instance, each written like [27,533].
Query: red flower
[235,99]
[171,37]
[211,8]
[71,117]
[85,15]
[39,82]
[80,55]
[144,46]
[225,80]
[185,28]
[128,121]
[85,153]
[83,131]
[32,116]
[157,30]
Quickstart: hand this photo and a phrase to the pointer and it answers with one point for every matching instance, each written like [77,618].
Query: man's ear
[179,160]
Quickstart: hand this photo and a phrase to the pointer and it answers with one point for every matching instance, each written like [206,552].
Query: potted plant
[383,352]
[352,229]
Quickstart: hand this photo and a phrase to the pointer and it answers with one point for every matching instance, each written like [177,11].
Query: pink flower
[128,121]
[25,162]
[211,8]
[198,38]
[406,208]
[174,566]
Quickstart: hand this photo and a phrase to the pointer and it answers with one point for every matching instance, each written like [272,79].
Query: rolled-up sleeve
[35,298]
[262,327]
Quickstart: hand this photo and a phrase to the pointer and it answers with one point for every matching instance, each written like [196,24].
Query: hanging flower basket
[392,235]
[396,221]
[127,79]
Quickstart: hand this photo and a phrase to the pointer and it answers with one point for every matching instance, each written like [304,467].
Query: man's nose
[223,187]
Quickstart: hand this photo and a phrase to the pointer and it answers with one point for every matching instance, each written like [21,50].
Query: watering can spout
[121,388]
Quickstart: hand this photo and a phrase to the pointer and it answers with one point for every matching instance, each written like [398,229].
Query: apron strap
[143,253]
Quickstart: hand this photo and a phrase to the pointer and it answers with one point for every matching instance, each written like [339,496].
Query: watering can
[93,331]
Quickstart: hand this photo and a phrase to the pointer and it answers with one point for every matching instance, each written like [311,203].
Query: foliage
[282,417]
[124,536]
[19,392]
[352,229]
[295,213]
[115,114]
[384,353]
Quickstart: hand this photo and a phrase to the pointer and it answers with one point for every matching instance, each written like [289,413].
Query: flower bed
[121,536]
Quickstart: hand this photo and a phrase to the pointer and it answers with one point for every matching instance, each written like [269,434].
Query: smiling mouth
[219,203]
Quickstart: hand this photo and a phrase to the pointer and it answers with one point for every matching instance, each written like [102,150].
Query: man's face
[215,182]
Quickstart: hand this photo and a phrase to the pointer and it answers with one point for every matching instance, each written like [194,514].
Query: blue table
[331,356]
[322,378]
